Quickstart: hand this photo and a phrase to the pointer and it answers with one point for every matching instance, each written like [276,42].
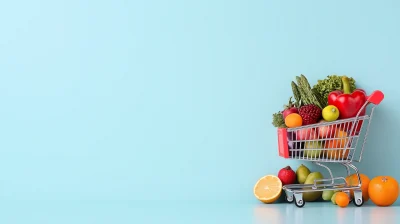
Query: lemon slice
[268,189]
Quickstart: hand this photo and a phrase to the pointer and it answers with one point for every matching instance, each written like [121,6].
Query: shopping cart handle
[376,97]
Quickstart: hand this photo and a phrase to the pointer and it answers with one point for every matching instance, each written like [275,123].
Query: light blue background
[173,100]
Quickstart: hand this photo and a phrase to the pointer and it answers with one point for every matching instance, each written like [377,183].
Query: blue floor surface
[121,212]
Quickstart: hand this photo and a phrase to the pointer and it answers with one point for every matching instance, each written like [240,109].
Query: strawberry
[287,175]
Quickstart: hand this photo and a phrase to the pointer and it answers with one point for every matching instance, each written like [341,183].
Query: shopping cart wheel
[289,199]
[298,200]
[358,200]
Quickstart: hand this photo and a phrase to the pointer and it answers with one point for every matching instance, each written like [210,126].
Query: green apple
[312,149]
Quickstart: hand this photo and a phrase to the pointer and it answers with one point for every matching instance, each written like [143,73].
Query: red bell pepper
[348,103]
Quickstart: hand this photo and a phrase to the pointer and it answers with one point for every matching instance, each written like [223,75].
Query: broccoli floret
[332,83]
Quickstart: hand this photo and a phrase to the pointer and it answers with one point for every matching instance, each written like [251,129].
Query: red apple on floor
[326,131]
[306,134]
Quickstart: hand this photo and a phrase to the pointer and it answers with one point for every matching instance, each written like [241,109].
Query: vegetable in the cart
[302,89]
[304,95]
[296,94]
[332,83]
[278,121]
[347,101]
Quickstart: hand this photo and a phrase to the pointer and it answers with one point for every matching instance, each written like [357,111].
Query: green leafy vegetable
[278,121]
[331,83]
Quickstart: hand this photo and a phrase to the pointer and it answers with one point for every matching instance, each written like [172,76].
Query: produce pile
[381,190]
[332,98]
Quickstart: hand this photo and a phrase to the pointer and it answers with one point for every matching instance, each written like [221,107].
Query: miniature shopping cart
[328,142]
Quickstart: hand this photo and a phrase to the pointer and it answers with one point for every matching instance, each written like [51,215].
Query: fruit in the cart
[336,148]
[330,113]
[289,108]
[313,149]
[310,114]
[290,111]
[327,195]
[352,180]
[336,154]
[302,173]
[326,131]
[268,189]
[383,190]
[342,199]
[293,120]
[287,175]
[306,134]
[314,195]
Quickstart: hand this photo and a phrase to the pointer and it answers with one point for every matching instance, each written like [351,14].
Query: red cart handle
[376,97]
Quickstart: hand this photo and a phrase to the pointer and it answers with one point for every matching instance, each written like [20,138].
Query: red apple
[289,111]
[326,131]
[306,134]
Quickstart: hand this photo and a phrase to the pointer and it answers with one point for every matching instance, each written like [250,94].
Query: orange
[337,146]
[293,120]
[342,199]
[352,180]
[383,190]
[268,189]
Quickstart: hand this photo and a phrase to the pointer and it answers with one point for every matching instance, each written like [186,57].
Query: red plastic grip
[283,143]
[376,97]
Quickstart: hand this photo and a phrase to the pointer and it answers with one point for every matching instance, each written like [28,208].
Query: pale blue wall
[173,99]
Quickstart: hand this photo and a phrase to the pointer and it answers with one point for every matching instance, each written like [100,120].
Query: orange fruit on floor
[352,180]
[383,190]
[337,150]
[293,120]
[342,199]
[268,189]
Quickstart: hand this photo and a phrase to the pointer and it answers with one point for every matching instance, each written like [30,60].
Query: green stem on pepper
[346,85]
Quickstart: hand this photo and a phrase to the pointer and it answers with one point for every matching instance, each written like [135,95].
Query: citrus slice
[268,189]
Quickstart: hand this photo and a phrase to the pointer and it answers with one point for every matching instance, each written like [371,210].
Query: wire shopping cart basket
[328,142]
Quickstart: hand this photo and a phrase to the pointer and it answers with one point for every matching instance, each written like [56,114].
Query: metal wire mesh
[327,141]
